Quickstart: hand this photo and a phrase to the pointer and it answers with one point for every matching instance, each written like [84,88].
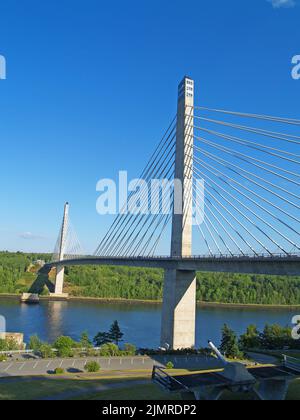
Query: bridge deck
[268,265]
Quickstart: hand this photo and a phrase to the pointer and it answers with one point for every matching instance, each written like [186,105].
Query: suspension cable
[251,145]
[249,209]
[256,116]
[272,134]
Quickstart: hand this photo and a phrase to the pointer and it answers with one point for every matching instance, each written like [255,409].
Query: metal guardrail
[292,363]
[160,376]
[12,352]
[3,353]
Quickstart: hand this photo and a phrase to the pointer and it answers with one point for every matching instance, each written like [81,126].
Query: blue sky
[92,85]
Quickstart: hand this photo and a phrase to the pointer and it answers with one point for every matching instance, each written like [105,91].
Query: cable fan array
[251,195]
[70,245]
[136,233]
[251,177]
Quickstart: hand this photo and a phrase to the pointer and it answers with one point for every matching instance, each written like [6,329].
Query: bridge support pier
[60,270]
[59,281]
[179,310]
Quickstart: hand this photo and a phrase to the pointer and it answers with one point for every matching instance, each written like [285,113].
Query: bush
[92,367]
[92,353]
[46,351]
[59,371]
[169,365]
[109,349]
[129,349]
[2,358]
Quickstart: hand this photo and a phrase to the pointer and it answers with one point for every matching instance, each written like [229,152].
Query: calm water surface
[140,322]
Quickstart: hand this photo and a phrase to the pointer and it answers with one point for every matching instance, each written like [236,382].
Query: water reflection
[139,322]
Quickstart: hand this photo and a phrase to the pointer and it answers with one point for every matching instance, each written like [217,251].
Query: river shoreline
[157,302]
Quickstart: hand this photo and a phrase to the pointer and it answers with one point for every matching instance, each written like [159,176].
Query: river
[139,322]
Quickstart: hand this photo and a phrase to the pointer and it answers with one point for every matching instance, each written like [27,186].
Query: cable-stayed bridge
[228,201]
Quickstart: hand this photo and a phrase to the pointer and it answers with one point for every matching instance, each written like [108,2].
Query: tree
[229,345]
[102,338]
[46,351]
[115,333]
[276,337]
[250,340]
[64,346]
[130,349]
[35,343]
[3,345]
[85,341]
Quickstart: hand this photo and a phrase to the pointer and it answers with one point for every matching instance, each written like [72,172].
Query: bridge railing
[292,363]
[160,376]
[197,257]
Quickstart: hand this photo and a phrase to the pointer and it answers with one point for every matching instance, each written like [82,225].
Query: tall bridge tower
[60,270]
[179,302]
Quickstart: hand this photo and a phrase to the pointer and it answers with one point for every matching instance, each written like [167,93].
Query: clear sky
[91,86]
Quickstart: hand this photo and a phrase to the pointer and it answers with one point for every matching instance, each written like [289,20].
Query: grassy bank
[136,387]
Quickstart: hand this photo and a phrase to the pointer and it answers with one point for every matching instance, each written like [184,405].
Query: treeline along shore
[20,272]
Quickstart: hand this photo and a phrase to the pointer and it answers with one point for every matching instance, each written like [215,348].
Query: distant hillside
[17,275]
[17,272]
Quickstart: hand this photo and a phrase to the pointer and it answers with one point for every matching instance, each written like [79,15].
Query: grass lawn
[152,392]
[99,387]
[31,388]
[149,392]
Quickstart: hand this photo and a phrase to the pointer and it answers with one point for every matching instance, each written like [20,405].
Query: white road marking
[8,367]
[48,365]
[73,364]
[61,363]
[21,367]
[35,365]
[132,361]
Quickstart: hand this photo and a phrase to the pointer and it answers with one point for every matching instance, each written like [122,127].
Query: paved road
[263,359]
[42,366]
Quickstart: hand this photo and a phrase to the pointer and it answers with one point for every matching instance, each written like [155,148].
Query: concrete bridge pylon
[179,300]
[60,269]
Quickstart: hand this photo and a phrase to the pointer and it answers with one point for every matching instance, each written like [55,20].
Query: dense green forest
[129,283]
[17,275]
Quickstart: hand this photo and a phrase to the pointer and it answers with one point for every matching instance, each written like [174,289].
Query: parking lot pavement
[42,366]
